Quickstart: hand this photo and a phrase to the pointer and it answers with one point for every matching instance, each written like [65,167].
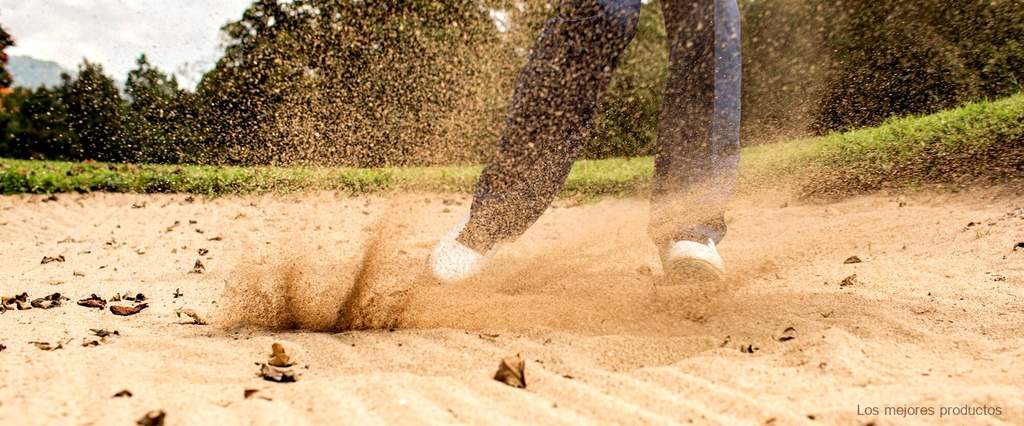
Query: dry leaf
[47,346]
[48,302]
[10,300]
[512,372]
[849,281]
[203,252]
[788,334]
[249,392]
[103,334]
[123,394]
[198,268]
[93,301]
[278,374]
[128,310]
[196,319]
[279,358]
[48,259]
[152,418]
[177,293]
[89,343]
[851,260]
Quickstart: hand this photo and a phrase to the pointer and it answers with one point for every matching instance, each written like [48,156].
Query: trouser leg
[698,135]
[549,116]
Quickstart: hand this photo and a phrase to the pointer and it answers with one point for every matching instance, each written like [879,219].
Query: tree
[5,41]
[919,56]
[95,113]
[37,125]
[154,119]
[342,82]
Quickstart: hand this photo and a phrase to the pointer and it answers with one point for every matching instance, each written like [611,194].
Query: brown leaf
[198,268]
[24,297]
[103,334]
[93,301]
[52,301]
[48,259]
[152,418]
[10,300]
[47,346]
[2,347]
[849,281]
[178,293]
[788,334]
[203,252]
[89,343]
[128,310]
[249,392]
[278,358]
[217,238]
[196,319]
[851,260]
[278,374]
[512,372]
[123,394]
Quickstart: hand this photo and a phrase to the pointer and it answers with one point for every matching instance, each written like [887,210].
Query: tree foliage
[397,82]
[5,41]
[331,81]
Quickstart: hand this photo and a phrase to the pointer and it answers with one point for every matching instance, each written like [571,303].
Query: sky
[178,36]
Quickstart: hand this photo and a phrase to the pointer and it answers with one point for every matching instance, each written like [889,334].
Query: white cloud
[180,36]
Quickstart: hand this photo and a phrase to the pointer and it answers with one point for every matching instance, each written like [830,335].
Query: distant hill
[31,73]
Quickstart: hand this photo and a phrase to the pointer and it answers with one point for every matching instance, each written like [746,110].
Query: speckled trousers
[558,90]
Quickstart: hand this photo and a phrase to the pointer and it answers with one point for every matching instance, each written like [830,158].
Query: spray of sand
[314,290]
[599,275]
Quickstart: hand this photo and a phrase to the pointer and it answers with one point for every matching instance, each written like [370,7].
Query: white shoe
[451,261]
[690,261]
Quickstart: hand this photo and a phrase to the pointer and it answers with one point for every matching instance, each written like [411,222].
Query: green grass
[983,140]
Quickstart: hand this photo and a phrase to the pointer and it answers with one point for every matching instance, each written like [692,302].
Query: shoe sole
[691,271]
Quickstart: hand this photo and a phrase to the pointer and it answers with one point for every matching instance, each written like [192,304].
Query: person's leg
[549,116]
[698,137]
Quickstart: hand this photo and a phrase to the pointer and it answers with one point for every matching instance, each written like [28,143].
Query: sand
[933,319]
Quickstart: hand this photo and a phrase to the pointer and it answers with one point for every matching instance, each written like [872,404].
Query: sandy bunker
[935,317]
